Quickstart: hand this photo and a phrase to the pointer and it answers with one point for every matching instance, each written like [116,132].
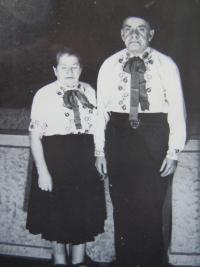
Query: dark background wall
[29,29]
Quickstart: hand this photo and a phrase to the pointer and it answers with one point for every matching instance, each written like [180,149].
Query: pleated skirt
[74,212]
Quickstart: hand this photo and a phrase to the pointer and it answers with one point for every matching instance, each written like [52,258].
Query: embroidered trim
[37,125]
[148,60]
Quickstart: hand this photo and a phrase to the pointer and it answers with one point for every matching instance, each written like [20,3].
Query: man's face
[136,34]
[68,70]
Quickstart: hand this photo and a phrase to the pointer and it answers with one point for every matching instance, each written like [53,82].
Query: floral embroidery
[125,94]
[148,60]
[37,125]
[124,107]
[148,90]
[165,96]
[125,80]
[147,57]
[59,93]
[148,76]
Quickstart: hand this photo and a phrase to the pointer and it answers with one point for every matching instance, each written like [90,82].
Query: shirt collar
[61,89]
[146,56]
[142,55]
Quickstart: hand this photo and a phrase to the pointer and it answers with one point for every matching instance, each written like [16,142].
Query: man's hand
[168,167]
[101,166]
[45,181]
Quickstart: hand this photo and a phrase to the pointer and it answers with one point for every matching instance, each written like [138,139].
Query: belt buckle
[134,123]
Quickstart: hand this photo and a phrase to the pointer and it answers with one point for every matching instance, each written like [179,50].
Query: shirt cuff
[99,153]
[173,154]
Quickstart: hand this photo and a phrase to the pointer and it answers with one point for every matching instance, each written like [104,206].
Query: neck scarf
[136,67]
[71,99]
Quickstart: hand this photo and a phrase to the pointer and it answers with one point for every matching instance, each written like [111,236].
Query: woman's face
[68,70]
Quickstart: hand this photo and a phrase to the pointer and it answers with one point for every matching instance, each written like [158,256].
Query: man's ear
[151,35]
[55,71]
[122,35]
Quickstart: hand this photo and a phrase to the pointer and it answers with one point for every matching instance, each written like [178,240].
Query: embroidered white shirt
[49,115]
[164,91]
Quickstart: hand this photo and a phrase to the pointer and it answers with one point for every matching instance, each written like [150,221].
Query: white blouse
[49,115]
[164,91]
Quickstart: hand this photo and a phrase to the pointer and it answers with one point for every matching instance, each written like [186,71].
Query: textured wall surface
[14,119]
[14,239]
[102,249]
[185,243]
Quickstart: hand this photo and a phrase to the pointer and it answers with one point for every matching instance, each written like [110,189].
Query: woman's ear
[122,35]
[81,70]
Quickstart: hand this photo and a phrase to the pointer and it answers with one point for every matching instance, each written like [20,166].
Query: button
[66,114]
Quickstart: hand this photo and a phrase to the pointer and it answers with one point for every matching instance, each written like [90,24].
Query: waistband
[122,119]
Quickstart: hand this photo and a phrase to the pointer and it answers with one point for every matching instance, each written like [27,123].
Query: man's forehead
[134,21]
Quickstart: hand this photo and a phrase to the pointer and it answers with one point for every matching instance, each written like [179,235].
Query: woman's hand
[101,166]
[45,181]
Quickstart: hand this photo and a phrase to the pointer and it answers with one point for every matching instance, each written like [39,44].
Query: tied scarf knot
[71,100]
[136,67]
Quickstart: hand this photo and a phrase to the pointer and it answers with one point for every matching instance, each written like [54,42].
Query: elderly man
[140,132]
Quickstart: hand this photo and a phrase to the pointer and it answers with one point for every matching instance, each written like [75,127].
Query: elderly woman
[67,204]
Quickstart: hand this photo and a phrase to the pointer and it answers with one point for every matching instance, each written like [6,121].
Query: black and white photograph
[100,133]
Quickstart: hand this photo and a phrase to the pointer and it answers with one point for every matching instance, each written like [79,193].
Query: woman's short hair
[60,51]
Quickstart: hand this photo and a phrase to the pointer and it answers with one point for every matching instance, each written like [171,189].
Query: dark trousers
[134,157]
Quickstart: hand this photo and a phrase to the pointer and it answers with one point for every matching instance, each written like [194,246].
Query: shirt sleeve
[103,94]
[38,121]
[176,112]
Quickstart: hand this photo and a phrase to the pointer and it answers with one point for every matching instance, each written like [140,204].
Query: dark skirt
[74,212]
[134,158]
